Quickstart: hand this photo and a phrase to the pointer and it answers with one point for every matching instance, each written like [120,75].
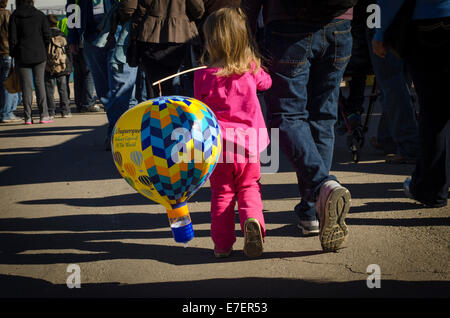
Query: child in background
[57,68]
[228,86]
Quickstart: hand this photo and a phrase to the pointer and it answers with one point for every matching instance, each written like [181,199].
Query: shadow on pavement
[82,158]
[275,288]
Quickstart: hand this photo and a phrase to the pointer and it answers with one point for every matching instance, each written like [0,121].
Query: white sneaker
[332,206]
[309,228]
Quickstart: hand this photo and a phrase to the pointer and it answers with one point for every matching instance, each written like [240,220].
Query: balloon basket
[183,234]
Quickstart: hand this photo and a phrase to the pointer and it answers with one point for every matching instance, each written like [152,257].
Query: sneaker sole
[253,244]
[222,255]
[306,232]
[335,232]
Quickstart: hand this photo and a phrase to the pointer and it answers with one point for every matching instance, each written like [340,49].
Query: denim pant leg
[397,102]
[114,88]
[331,56]
[50,91]
[307,64]
[83,83]
[61,83]
[8,102]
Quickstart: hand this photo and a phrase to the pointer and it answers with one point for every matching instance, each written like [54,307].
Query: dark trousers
[430,69]
[159,61]
[29,75]
[61,84]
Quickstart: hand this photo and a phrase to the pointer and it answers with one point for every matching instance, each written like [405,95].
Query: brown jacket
[4,24]
[166,21]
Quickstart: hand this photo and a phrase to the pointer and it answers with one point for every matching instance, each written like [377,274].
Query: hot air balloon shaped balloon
[173,144]
[137,158]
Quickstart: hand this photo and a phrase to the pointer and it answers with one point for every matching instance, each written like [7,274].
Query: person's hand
[74,49]
[378,48]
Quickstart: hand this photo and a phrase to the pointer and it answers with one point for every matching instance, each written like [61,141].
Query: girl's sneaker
[28,121]
[222,253]
[253,240]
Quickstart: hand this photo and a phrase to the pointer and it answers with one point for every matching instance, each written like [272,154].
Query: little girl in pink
[228,86]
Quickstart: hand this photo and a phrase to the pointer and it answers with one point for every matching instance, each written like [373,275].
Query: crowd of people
[297,52]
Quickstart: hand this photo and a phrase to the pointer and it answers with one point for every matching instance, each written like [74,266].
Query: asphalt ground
[65,206]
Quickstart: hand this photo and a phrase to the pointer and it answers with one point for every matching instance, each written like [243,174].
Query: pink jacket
[234,101]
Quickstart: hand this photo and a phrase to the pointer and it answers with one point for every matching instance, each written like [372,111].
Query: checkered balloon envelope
[166,148]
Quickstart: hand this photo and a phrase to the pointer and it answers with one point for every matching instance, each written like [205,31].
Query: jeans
[430,69]
[30,74]
[61,84]
[8,102]
[141,86]
[397,103]
[306,64]
[115,89]
[83,83]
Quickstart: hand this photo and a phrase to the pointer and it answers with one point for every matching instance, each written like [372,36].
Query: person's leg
[353,104]
[97,62]
[383,141]
[397,103]
[8,102]
[27,92]
[250,207]
[290,48]
[39,86]
[160,61]
[4,71]
[50,90]
[222,207]
[323,91]
[120,97]
[430,70]
[78,81]
[88,98]
[248,191]
[63,98]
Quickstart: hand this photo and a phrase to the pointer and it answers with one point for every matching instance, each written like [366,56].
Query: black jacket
[29,35]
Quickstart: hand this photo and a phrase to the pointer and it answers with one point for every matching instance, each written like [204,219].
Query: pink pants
[231,182]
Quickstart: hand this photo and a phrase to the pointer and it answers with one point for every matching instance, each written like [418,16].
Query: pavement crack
[346,266]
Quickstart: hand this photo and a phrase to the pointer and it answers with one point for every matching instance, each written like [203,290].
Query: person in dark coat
[29,37]
[163,29]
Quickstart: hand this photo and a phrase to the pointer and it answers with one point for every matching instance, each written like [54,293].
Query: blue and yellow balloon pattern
[166,148]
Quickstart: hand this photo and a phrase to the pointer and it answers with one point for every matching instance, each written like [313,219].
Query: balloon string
[175,75]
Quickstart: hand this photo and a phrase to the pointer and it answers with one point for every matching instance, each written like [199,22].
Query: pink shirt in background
[234,101]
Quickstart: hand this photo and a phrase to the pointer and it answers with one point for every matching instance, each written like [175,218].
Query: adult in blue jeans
[8,102]
[83,85]
[308,53]
[114,86]
[428,59]
[399,123]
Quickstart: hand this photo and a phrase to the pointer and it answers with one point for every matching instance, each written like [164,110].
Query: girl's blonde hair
[228,42]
